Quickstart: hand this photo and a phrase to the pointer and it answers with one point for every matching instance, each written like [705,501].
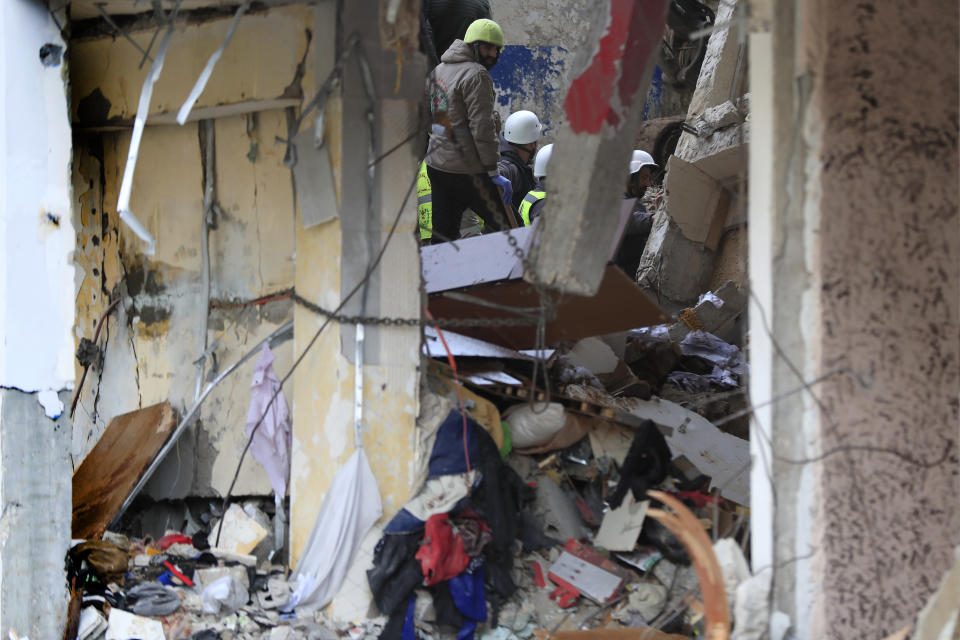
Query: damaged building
[238,398]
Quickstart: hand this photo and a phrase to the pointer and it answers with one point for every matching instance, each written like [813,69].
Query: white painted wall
[36,272]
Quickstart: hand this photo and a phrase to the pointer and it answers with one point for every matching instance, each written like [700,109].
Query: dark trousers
[452,193]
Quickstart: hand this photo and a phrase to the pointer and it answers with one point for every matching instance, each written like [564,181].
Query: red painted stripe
[603,92]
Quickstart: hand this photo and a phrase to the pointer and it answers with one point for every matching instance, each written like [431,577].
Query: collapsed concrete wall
[701,217]
[151,341]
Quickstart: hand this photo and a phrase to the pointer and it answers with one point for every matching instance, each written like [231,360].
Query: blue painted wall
[535,78]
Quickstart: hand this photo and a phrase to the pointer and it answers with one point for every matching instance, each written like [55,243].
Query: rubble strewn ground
[541,491]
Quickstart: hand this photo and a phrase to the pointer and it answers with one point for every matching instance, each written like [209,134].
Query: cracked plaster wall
[855,273]
[152,339]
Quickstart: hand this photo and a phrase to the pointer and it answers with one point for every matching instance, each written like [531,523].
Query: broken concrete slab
[237,531]
[647,599]
[603,109]
[673,266]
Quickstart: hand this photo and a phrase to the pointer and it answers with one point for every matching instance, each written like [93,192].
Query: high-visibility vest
[529,200]
[424,203]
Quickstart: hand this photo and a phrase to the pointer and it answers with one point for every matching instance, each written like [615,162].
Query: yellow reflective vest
[424,203]
[529,200]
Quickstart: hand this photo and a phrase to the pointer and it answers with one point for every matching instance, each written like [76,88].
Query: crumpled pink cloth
[271,443]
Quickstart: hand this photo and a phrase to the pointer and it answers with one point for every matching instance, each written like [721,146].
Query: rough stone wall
[885,83]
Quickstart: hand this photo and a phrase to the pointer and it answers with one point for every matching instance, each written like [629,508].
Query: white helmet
[522,127]
[540,162]
[640,160]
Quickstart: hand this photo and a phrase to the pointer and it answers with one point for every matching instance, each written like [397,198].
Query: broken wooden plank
[110,471]
[619,305]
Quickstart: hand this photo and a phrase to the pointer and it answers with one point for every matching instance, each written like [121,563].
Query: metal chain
[386,321]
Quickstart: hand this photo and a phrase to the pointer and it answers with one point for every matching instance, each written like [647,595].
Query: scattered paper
[589,579]
[621,526]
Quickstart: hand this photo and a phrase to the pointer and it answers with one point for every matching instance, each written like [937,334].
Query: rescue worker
[521,133]
[424,205]
[533,202]
[443,21]
[642,171]
[462,153]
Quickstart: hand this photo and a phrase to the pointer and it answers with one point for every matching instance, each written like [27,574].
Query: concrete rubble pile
[529,513]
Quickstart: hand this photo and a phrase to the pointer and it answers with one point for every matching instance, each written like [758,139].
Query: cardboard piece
[621,526]
[112,469]
[618,305]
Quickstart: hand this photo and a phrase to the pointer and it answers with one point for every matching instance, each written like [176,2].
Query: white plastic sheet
[351,506]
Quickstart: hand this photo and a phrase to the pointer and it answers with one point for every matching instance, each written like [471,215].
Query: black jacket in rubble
[518,172]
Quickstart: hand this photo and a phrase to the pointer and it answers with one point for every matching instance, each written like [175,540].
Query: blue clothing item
[409,633]
[504,184]
[404,522]
[468,594]
[448,456]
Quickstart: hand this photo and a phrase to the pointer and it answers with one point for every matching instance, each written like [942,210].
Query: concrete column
[332,257]
[855,272]
[37,239]
[588,169]
[36,514]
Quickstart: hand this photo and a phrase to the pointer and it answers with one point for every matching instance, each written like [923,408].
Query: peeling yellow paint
[258,64]
[323,399]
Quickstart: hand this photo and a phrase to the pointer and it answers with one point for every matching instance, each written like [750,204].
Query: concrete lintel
[603,108]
